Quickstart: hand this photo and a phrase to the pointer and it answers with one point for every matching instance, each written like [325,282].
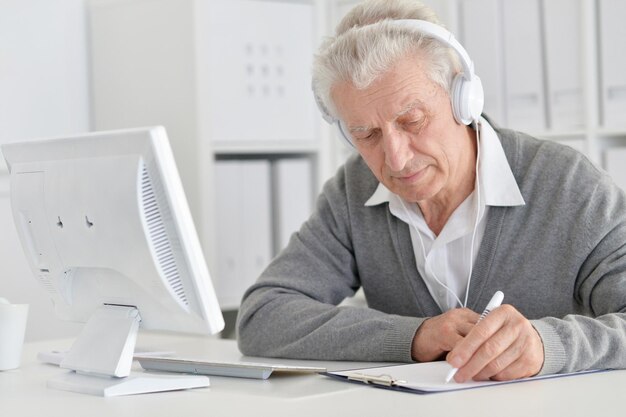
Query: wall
[44,92]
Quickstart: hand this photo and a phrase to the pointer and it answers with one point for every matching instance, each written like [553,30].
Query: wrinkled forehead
[404,86]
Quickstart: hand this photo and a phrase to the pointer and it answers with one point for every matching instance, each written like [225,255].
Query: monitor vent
[47,284]
[160,242]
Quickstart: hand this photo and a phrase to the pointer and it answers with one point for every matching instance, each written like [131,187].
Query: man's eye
[366,136]
[414,125]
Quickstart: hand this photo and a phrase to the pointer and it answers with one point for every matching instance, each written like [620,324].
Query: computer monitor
[107,232]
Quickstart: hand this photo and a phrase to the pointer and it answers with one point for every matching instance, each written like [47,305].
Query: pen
[495,302]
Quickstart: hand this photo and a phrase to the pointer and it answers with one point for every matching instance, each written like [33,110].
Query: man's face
[403,127]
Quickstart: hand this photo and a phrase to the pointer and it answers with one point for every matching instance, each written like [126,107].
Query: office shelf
[265,148]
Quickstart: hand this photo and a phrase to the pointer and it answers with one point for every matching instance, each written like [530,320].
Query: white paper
[430,377]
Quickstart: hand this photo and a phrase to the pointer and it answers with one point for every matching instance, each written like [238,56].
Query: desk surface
[23,392]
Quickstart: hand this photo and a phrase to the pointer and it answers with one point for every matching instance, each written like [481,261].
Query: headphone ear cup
[459,109]
[468,99]
[475,98]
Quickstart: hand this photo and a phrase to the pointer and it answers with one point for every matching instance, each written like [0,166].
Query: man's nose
[397,149]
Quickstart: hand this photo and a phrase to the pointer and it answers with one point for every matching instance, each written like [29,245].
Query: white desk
[23,392]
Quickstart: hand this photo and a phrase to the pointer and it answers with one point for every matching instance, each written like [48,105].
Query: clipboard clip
[384,379]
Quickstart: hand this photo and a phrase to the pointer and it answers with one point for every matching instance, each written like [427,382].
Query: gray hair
[367,44]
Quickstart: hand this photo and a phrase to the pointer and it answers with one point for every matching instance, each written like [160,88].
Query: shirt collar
[498,185]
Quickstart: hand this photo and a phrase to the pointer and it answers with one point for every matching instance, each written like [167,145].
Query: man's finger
[511,348]
[440,334]
[499,364]
[476,337]
[489,351]
[516,370]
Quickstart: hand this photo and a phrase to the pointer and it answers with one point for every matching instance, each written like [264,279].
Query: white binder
[256,221]
[482,37]
[294,188]
[564,64]
[243,226]
[525,101]
[612,33]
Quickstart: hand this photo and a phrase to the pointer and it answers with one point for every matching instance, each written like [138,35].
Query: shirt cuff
[554,357]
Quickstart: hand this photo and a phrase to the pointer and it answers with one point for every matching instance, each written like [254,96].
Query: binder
[424,378]
[294,196]
[612,33]
[243,223]
[228,231]
[256,222]
[482,37]
[523,69]
[564,64]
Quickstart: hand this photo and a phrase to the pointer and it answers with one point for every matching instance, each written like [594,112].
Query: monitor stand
[101,358]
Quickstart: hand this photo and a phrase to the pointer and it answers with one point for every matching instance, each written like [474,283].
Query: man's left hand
[503,346]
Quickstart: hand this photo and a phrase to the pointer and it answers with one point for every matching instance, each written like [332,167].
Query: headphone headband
[444,36]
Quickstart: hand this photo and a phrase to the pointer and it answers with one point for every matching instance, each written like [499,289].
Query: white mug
[12,328]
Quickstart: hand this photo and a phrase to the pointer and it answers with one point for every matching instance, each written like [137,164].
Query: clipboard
[424,378]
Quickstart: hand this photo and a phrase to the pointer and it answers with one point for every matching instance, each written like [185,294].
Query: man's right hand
[439,335]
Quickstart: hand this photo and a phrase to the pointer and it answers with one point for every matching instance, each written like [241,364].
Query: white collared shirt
[448,255]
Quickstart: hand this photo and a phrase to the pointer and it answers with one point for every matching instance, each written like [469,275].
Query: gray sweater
[560,260]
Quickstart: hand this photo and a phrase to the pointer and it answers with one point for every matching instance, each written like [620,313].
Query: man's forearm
[577,342]
[292,326]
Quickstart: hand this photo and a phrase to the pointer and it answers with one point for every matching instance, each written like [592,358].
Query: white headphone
[466,95]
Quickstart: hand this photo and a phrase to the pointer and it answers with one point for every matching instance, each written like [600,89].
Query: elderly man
[438,211]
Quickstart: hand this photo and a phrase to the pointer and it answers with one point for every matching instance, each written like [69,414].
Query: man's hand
[439,335]
[503,346]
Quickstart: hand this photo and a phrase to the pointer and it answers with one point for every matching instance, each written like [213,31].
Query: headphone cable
[469,278]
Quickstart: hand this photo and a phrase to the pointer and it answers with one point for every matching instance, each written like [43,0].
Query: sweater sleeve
[292,310]
[598,341]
